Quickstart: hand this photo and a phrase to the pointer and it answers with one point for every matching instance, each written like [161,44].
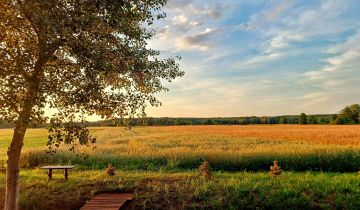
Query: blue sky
[260,57]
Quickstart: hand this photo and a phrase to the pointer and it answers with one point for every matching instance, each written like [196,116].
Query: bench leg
[66,174]
[50,174]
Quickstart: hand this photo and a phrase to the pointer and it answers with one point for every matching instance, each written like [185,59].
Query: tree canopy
[303,118]
[76,56]
[349,115]
[85,56]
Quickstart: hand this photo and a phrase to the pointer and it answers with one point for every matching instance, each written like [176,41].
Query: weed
[275,170]
[110,170]
[204,170]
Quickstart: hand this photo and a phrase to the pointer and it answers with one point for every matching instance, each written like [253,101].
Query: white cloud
[281,40]
[259,20]
[346,59]
[349,44]
[164,33]
[189,26]
[275,12]
[339,76]
[178,4]
[214,11]
[183,24]
[297,25]
[310,100]
[271,36]
[256,61]
[200,41]
[333,83]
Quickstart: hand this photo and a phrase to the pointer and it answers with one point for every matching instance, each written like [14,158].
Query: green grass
[35,139]
[160,167]
[184,190]
[332,161]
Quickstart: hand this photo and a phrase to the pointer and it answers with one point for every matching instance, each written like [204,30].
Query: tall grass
[339,161]
[227,148]
[185,191]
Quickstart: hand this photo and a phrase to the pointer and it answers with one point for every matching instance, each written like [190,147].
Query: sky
[260,57]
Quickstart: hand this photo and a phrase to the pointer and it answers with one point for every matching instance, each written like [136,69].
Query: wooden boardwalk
[108,201]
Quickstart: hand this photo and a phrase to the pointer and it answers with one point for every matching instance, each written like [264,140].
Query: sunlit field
[227,148]
[320,167]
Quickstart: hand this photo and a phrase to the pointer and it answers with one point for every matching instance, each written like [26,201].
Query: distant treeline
[169,121]
[348,115]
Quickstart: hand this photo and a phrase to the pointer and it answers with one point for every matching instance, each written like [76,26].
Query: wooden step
[108,201]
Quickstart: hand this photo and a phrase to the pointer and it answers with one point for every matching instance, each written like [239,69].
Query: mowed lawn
[159,164]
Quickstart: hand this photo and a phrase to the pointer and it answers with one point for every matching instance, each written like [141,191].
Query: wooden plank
[108,201]
[57,167]
[125,196]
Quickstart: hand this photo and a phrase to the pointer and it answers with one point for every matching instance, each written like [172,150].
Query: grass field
[160,165]
[227,148]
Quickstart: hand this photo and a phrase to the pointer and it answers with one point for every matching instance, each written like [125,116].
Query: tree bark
[14,150]
[12,170]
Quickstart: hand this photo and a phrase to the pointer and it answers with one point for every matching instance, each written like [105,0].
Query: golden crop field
[298,147]
[322,134]
[227,140]
[143,154]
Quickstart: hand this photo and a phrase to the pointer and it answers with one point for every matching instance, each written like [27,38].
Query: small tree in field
[76,56]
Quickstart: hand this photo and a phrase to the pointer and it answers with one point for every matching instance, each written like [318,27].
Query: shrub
[110,170]
[275,170]
[204,170]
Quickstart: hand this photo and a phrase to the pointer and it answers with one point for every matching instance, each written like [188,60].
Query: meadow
[227,148]
[320,162]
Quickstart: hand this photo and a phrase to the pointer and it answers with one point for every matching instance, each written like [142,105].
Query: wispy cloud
[178,4]
[257,61]
[346,58]
[275,12]
[190,25]
[182,23]
[261,57]
[200,41]
[259,20]
[213,11]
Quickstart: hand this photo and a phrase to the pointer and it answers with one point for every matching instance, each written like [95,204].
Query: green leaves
[63,130]
[349,115]
[87,56]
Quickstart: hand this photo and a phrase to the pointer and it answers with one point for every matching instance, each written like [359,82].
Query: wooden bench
[51,168]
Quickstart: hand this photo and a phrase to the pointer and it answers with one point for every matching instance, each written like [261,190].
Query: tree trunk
[14,151]
[12,170]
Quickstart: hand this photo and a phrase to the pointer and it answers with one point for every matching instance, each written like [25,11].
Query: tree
[254,120]
[88,57]
[349,115]
[303,119]
[244,121]
[283,120]
[355,109]
[209,122]
[264,120]
[313,119]
[274,120]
